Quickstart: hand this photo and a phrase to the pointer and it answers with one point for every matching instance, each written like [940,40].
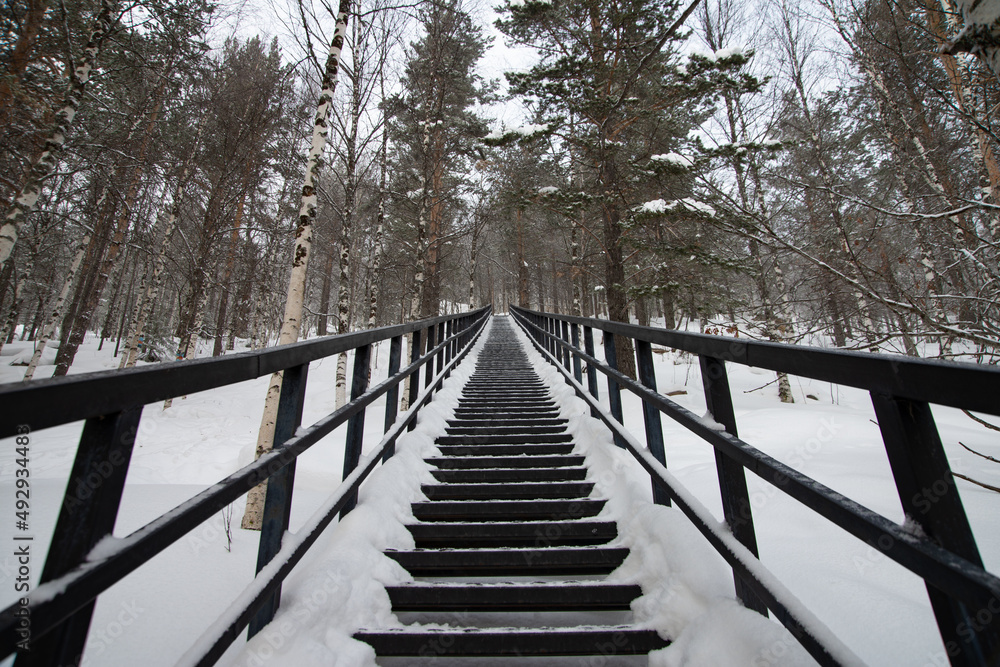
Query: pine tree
[434,128]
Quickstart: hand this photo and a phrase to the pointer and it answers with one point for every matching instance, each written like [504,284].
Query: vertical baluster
[392,396]
[440,355]
[732,478]
[651,415]
[356,424]
[415,376]
[88,514]
[614,391]
[588,347]
[278,499]
[929,497]
[575,341]
[450,348]
[429,366]
[565,351]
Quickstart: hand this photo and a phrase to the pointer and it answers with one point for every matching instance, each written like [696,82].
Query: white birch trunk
[380,219]
[292,319]
[148,296]
[420,251]
[56,310]
[26,200]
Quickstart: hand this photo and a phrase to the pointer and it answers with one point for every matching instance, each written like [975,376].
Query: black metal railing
[57,616]
[939,545]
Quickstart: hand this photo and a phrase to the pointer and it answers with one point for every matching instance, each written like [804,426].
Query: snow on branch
[674,160]
[686,205]
[508,135]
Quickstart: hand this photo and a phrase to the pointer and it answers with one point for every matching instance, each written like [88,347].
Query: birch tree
[27,198]
[292,319]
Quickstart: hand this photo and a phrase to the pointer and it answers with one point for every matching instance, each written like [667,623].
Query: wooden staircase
[508,534]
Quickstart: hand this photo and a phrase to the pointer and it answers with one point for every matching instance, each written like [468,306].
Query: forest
[779,170]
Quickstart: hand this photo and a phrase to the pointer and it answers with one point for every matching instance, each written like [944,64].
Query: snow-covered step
[506,510]
[522,429]
[586,596]
[512,475]
[506,450]
[503,415]
[509,491]
[508,439]
[513,642]
[542,561]
[505,423]
[525,461]
[448,535]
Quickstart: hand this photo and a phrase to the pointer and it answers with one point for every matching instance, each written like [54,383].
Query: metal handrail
[61,607]
[964,596]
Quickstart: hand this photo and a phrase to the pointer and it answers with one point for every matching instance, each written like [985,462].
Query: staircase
[509,556]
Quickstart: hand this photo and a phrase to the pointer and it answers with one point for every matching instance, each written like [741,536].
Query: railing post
[278,499]
[651,415]
[87,515]
[440,355]
[356,424]
[614,391]
[588,347]
[732,479]
[929,497]
[429,366]
[414,387]
[565,351]
[392,396]
[449,352]
[575,341]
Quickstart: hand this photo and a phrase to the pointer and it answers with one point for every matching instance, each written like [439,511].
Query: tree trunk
[614,270]
[300,259]
[149,295]
[227,273]
[67,351]
[26,200]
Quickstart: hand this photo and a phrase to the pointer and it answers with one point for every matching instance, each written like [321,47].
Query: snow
[655,206]
[721,54]
[155,614]
[675,159]
[523,131]
[659,207]
[548,190]
[729,52]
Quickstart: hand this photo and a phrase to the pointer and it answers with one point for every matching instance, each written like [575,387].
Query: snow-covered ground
[155,614]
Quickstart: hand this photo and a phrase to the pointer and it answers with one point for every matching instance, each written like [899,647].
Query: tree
[292,320]
[612,68]
[434,128]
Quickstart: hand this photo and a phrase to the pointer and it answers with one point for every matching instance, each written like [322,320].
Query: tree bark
[292,319]
[26,200]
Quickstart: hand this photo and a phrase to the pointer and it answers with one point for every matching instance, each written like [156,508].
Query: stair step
[523,429]
[509,439]
[505,423]
[553,561]
[527,461]
[512,491]
[524,534]
[513,597]
[506,450]
[510,475]
[519,642]
[524,510]
[505,402]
